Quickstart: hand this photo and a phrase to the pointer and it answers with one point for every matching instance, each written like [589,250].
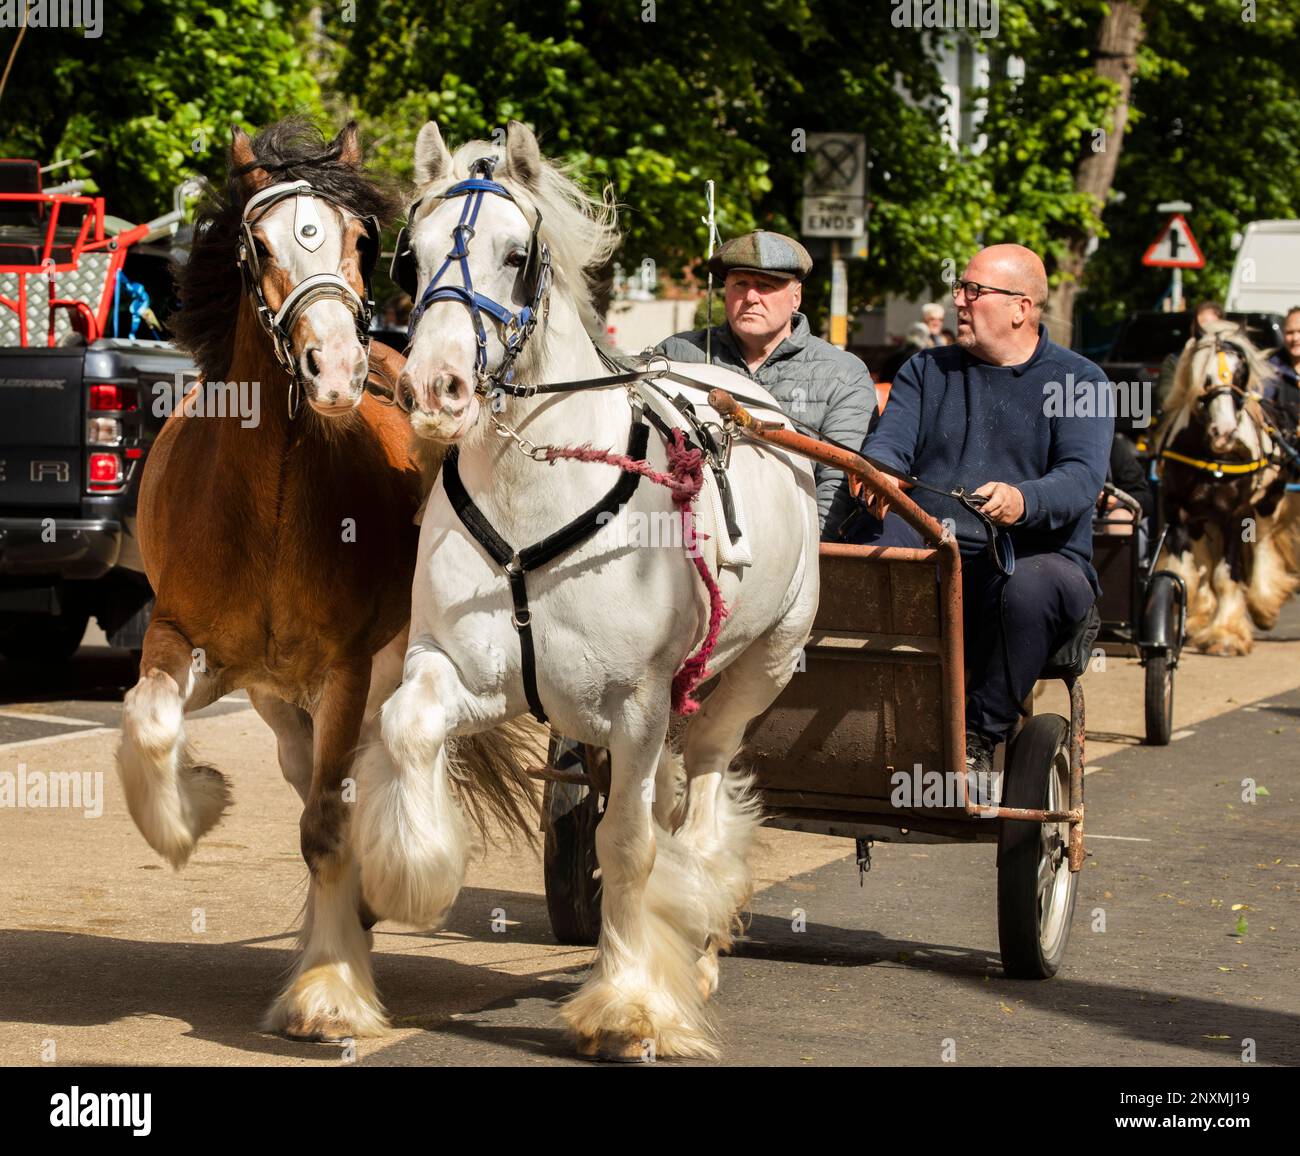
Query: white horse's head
[494,256]
[1223,374]
[307,258]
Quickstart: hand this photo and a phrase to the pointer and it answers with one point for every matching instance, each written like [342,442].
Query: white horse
[611,623]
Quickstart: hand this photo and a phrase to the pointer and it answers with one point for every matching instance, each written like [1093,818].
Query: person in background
[767,339]
[1206,311]
[918,338]
[1126,473]
[949,337]
[932,319]
[1284,393]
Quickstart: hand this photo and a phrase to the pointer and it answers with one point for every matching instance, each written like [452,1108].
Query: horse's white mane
[581,230]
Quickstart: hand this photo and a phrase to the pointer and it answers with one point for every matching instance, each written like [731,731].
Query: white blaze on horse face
[441,367]
[330,358]
[1222,414]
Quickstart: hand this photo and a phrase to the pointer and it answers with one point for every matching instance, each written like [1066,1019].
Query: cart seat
[1070,658]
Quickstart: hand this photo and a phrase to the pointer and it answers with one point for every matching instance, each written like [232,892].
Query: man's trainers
[979,768]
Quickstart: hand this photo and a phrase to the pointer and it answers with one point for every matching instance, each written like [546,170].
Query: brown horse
[281,550]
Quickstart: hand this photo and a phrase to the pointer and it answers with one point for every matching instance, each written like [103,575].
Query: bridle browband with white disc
[516,328]
[309,233]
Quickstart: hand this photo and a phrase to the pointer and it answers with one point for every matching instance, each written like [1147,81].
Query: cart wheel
[1036,888]
[1159,699]
[569,854]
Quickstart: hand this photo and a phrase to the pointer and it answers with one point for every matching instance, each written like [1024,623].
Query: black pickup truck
[79,409]
[75,425]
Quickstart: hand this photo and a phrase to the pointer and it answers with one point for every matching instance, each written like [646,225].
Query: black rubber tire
[43,639]
[571,813]
[1039,751]
[1159,699]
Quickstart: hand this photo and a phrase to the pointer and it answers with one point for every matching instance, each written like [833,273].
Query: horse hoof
[608,1048]
[316,1030]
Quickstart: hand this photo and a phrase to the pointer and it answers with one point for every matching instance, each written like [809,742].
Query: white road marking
[89,729]
[59,738]
[33,716]
[1122,838]
[1180,735]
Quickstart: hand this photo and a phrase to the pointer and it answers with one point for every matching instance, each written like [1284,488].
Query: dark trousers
[1011,625]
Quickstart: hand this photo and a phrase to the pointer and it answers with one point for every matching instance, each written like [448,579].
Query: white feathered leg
[642,999]
[411,835]
[173,801]
[331,993]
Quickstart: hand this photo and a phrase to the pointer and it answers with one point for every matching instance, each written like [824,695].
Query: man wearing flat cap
[767,339]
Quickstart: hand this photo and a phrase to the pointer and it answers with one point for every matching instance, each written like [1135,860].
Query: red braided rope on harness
[684,479]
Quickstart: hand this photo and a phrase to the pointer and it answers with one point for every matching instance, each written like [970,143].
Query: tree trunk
[1118,38]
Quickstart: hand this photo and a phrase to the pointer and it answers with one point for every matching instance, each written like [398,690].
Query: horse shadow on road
[52,978]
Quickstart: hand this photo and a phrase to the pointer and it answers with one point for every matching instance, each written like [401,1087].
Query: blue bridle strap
[516,326]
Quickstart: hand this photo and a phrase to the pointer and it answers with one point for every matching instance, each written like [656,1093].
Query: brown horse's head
[291,245]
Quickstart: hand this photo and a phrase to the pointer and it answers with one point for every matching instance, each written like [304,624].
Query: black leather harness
[517,563]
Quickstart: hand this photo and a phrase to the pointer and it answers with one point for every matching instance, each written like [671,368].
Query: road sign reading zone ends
[833,217]
[1175,248]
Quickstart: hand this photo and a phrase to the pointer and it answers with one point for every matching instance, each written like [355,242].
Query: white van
[1266,273]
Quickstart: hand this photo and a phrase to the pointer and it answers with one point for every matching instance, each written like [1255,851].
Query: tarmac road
[108,957]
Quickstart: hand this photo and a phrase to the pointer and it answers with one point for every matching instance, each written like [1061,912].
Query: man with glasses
[766,338]
[1007,415]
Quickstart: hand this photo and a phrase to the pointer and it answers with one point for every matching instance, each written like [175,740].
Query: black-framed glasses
[973,289]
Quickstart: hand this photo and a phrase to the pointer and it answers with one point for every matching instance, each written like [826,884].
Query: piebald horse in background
[503,245]
[1234,533]
[281,554]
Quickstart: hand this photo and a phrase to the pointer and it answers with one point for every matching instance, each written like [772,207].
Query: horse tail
[491,767]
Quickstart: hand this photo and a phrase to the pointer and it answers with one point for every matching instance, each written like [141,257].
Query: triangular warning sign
[1175,248]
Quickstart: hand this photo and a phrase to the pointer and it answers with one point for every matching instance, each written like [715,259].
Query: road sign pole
[839,297]
[1176,292]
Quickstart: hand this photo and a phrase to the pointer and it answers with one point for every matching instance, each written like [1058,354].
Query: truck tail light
[112,398]
[105,471]
[103,431]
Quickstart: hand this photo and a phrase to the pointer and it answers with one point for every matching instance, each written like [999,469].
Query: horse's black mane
[209,283]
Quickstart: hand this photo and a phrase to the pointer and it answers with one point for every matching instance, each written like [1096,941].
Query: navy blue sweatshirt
[953,420]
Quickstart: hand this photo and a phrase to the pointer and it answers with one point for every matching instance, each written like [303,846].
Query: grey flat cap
[772,253]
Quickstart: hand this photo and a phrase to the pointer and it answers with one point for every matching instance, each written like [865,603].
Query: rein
[1000,547]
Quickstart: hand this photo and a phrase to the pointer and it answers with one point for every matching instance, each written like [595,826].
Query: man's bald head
[1017,267]
[1001,325]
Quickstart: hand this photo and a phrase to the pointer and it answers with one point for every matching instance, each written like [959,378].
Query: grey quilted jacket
[822,386]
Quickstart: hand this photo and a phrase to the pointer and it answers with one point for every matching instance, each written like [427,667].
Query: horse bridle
[515,328]
[309,233]
[1229,381]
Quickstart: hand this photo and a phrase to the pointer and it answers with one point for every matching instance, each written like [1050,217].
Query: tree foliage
[1218,125]
[656,98]
[156,94]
